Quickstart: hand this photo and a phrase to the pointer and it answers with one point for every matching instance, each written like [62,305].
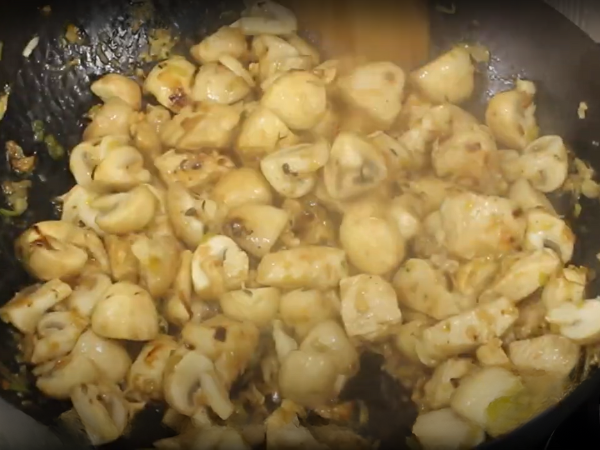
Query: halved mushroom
[311,267]
[158,259]
[241,187]
[448,78]
[112,119]
[375,88]
[103,411]
[303,309]
[207,126]
[177,308]
[125,212]
[26,308]
[298,98]
[439,388]
[330,338]
[170,82]
[545,163]
[145,378]
[511,116]
[218,266]
[87,156]
[566,286]
[225,41]
[446,429]
[255,228]
[90,289]
[77,209]
[126,312]
[218,84]
[267,17]
[190,381]
[577,321]
[118,86]
[259,306]
[193,170]
[276,56]
[355,166]
[547,230]
[261,133]
[56,335]
[58,378]
[123,263]
[292,172]
[146,139]
[431,192]
[527,197]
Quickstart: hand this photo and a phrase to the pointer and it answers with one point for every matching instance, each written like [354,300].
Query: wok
[528,39]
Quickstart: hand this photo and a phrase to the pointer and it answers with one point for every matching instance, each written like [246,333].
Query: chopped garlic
[30,47]
[583,107]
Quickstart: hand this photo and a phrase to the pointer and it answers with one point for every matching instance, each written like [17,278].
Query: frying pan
[527,39]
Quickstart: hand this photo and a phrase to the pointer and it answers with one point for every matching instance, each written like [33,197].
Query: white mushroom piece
[479,398]
[577,321]
[292,171]
[88,292]
[446,429]
[193,170]
[522,274]
[369,307]
[548,353]
[218,84]
[158,261]
[298,98]
[77,209]
[527,197]
[477,225]
[126,312]
[407,212]
[123,263]
[466,331]
[109,357]
[431,192]
[26,308]
[178,308]
[371,239]
[170,82]
[283,429]
[267,17]
[376,89]
[225,41]
[511,116]
[302,309]
[547,230]
[262,132]
[259,305]
[545,163]
[58,378]
[276,56]
[241,187]
[423,288]
[125,212]
[218,265]
[255,228]
[310,223]
[311,267]
[103,411]
[145,378]
[56,335]
[439,388]
[205,126]
[118,86]
[448,78]
[112,119]
[355,166]
[57,249]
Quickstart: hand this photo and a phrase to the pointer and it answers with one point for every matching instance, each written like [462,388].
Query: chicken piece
[407,336]
[431,191]
[445,430]
[492,354]
[170,82]
[548,353]
[369,307]
[225,41]
[466,331]
[478,226]
[474,276]
[531,321]
[442,384]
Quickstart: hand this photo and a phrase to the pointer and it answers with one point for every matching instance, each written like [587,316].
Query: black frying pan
[526,38]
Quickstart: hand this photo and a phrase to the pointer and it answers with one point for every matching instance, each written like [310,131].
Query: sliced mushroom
[298,98]
[527,197]
[511,116]
[218,84]
[448,78]
[90,289]
[369,307]
[58,378]
[145,379]
[123,263]
[218,266]
[292,171]
[303,309]
[77,209]
[126,312]
[311,267]
[241,187]
[193,170]
[112,119]
[255,228]
[355,166]
[158,259]
[446,429]
[118,86]
[56,335]
[110,357]
[226,41]
[566,286]
[547,230]
[103,411]
[177,308]
[170,82]
[207,126]
[577,321]
[26,308]
[125,212]
[545,163]
[259,306]
[375,88]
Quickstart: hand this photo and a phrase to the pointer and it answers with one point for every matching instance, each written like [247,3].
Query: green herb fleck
[55,150]
[38,130]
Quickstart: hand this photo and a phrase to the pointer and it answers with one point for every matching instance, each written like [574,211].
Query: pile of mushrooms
[272,215]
